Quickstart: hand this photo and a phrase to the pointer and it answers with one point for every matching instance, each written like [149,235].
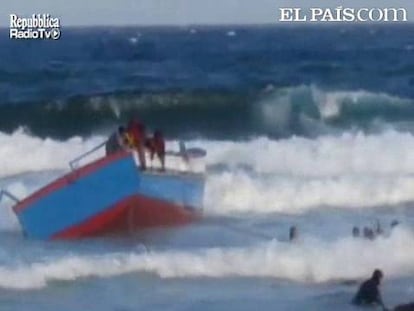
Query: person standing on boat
[137,131]
[156,146]
[117,141]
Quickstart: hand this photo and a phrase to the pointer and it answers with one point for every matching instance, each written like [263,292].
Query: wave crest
[276,112]
[309,260]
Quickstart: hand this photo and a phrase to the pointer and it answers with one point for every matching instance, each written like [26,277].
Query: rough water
[305,126]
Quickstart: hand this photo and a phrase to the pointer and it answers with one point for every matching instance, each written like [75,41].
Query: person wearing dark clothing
[406,307]
[355,232]
[369,293]
[293,233]
[378,229]
[369,233]
[159,147]
[394,223]
[156,146]
[115,142]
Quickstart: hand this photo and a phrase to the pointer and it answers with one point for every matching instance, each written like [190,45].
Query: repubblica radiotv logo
[37,26]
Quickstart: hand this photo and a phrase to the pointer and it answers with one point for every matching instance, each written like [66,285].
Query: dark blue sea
[311,126]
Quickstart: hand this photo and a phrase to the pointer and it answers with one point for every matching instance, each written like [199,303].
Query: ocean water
[305,126]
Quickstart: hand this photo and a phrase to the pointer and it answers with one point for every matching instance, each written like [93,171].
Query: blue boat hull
[110,195]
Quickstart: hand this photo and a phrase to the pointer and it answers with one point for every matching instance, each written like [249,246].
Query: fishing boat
[112,195]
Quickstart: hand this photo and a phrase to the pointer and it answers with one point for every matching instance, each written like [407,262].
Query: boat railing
[182,163]
[181,160]
[75,162]
[5,193]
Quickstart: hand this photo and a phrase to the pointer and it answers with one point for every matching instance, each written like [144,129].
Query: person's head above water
[293,233]
[368,233]
[394,223]
[355,231]
[377,275]
[378,227]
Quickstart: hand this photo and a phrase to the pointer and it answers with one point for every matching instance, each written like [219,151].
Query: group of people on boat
[133,137]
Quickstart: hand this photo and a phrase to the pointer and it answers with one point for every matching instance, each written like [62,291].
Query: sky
[176,12]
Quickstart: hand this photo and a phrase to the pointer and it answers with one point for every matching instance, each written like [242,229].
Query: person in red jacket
[137,131]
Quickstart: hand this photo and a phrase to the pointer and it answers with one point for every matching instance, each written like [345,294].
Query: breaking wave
[256,176]
[275,112]
[21,152]
[309,260]
[238,192]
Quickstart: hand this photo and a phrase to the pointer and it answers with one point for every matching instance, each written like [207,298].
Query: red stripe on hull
[132,213]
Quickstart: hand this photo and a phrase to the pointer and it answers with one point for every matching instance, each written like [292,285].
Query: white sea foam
[20,152]
[330,103]
[239,192]
[297,174]
[290,176]
[308,260]
[388,153]
[133,40]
